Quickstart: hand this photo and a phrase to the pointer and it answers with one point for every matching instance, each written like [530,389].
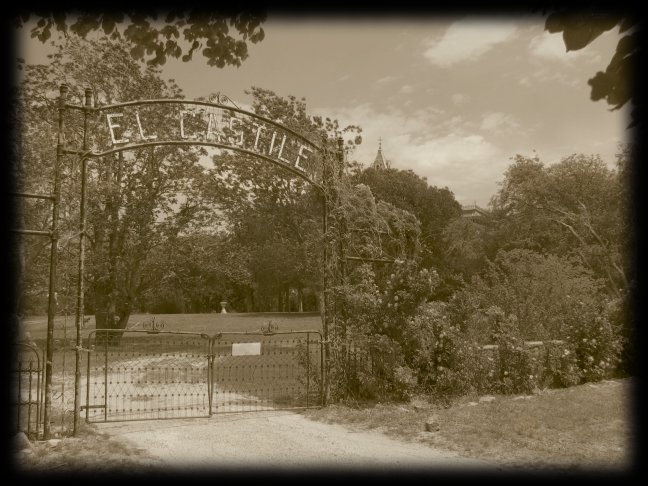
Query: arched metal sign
[98,131]
[145,123]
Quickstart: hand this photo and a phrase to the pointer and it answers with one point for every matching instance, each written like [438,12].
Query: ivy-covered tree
[434,207]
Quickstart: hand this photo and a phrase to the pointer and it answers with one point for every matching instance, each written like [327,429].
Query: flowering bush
[596,348]
[372,311]
[560,366]
[446,363]
[437,348]
[517,369]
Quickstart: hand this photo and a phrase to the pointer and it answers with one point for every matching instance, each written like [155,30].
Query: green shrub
[597,348]
[560,366]
[372,313]
[517,369]
[446,363]
[370,368]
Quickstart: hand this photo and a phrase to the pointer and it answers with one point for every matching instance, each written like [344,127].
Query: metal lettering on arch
[144,123]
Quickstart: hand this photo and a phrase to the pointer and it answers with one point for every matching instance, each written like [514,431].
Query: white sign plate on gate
[246,349]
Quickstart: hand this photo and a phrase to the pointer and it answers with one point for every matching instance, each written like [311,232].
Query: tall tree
[434,207]
[569,208]
[194,272]
[273,214]
[135,200]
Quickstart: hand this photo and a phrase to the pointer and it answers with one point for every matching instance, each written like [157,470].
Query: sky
[452,98]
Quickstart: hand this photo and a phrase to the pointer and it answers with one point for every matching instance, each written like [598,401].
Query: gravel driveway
[278,440]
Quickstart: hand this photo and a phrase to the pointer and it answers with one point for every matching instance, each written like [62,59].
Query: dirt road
[278,440]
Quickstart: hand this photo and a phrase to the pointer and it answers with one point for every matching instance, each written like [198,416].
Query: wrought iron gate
[139,375]
[27,389]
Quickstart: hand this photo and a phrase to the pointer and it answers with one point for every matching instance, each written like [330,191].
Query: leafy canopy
[222,37]
[579,29]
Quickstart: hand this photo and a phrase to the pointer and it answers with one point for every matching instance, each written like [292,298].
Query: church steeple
[380,162]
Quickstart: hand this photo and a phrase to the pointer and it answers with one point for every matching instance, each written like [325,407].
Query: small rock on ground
[487,398]
[432,424]
[22,442]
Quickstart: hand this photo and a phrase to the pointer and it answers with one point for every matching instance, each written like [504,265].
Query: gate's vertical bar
[105,375]
[210,373]
[307,367]
[322,402]
[51,305]
[19,400]
[327,184]
[87,414]
[29,398]
[39,393]
[78,318]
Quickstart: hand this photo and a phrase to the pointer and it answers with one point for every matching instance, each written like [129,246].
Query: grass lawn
[584,427]
[209,323]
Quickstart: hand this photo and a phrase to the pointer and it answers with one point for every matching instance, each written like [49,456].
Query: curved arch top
[136,146]
[156,122]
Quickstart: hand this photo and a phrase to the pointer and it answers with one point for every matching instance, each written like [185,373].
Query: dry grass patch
[89,452]
[579,428]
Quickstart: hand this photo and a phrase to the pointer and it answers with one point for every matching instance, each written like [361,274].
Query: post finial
[88,97]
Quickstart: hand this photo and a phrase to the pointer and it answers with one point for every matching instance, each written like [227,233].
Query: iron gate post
[307,367]
[19,399]
[105,340]
[80,284]
[51,307]
[210,374]
[87,410]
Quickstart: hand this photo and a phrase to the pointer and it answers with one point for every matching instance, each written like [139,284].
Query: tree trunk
[249,300]
[110,316]
[300,297]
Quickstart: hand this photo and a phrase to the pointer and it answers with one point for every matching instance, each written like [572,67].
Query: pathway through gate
[140,375]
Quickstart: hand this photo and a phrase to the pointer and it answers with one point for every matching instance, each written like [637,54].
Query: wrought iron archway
[208,130]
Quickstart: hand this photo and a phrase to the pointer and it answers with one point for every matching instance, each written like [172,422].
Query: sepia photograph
[270,242]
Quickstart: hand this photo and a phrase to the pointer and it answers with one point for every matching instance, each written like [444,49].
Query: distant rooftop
[380,162]
[473,211]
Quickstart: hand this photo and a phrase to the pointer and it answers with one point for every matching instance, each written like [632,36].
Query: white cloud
[442,148]
[467,40]
[386,79]
[499,121]
[344,77]
[545,74]
[552,47]
[460,99]
[406,89]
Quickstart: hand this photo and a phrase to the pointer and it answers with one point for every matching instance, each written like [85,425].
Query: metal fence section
[27,389]
[366,371]
[267,371]
[139,375]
